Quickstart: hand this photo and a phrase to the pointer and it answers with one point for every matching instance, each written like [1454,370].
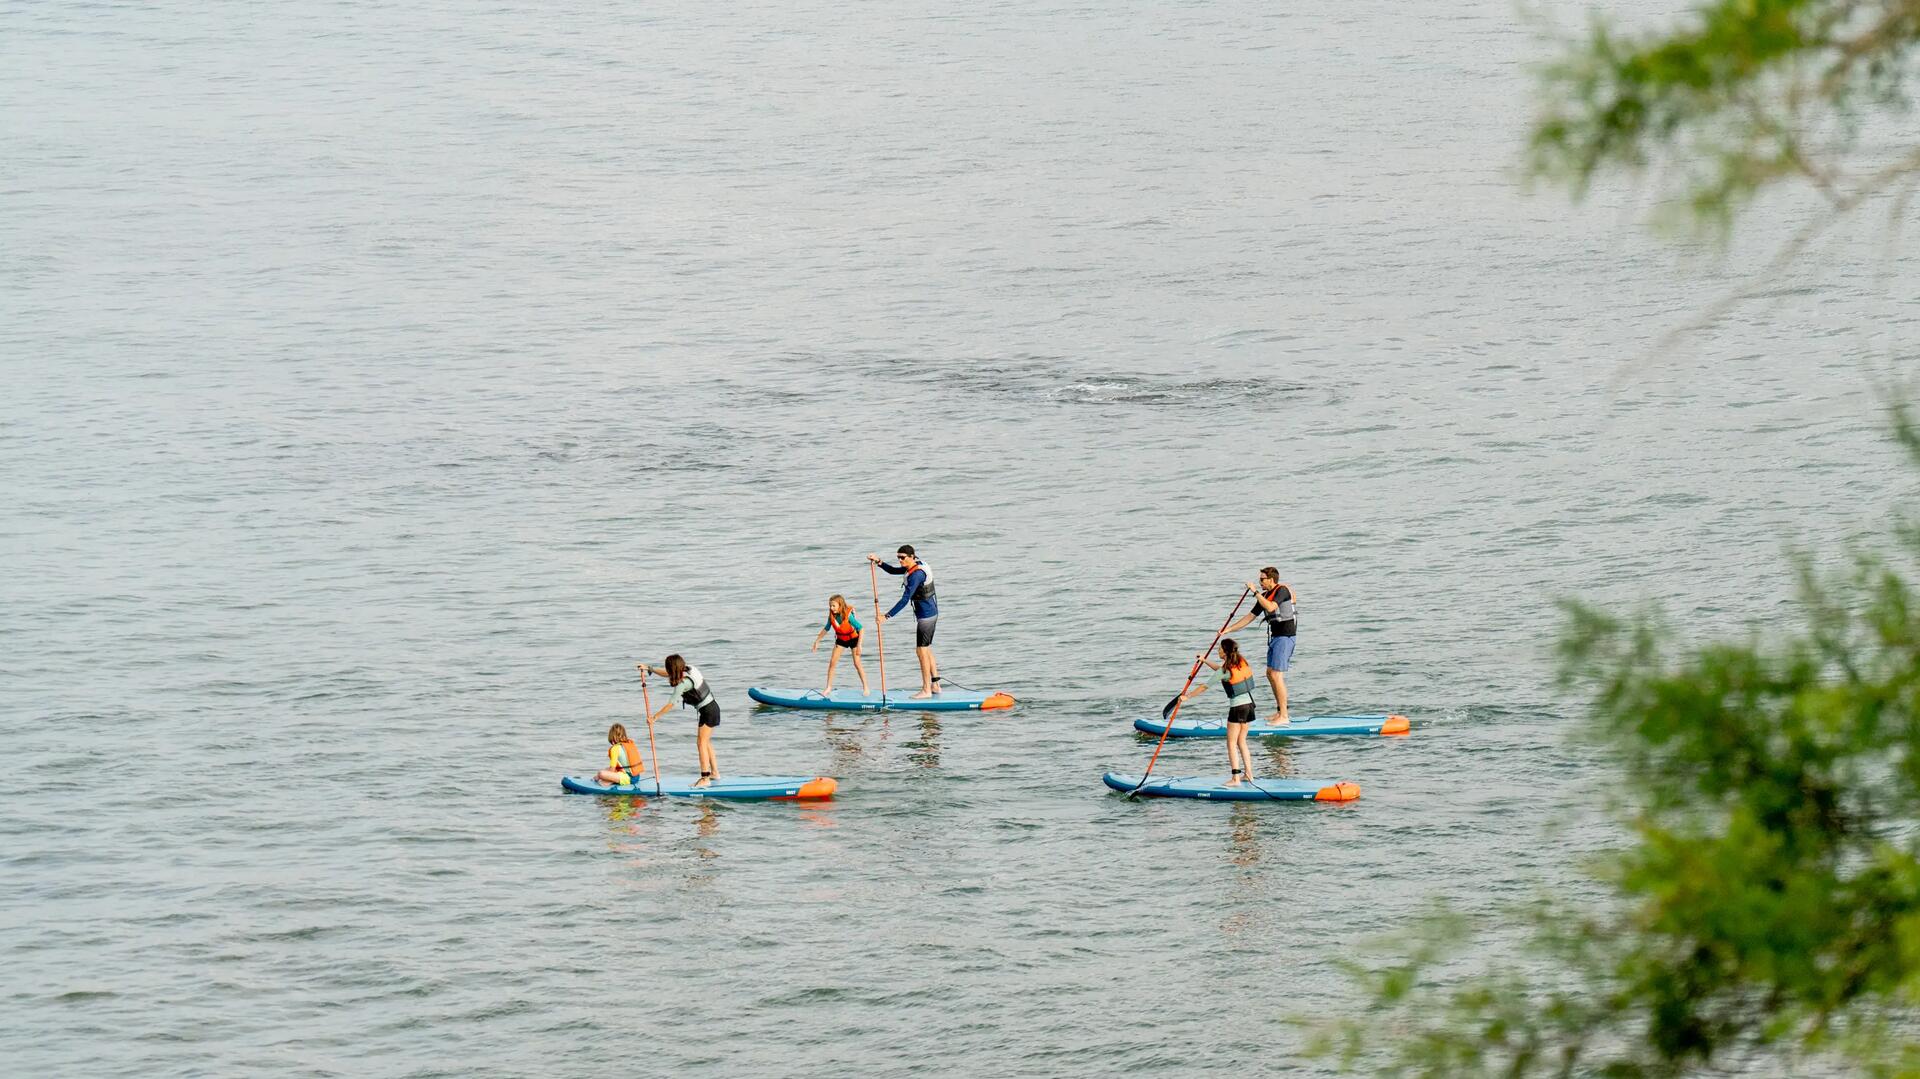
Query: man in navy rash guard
[917,589]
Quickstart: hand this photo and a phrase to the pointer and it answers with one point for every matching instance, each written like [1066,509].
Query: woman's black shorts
[710,715]
[1240,713]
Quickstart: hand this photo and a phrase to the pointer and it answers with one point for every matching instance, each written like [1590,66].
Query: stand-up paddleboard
[852,700]
[1299,728]
[1215,789]
[734,788]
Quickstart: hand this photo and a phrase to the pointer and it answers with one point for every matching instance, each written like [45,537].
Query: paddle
[646,701]
[879,628]
[1166,714]
[1173,706]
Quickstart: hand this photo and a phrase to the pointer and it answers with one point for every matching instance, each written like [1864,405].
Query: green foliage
[1765,905]
[1747,93]
[1763,908]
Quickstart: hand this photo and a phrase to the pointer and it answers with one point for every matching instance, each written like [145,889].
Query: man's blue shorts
[1279,653]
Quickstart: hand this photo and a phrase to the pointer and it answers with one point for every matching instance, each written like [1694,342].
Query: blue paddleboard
[852,700]
[1215,789]
[737,788]
[1301,727]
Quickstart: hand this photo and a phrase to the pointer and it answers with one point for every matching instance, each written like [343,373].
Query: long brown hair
[841,600]
[616,734]
[1230,656]
[676,668]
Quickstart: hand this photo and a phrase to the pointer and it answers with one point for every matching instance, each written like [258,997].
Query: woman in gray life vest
[690,689]
[917,589]
[1274,602]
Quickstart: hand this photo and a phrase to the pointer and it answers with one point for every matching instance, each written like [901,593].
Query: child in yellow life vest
[1237,679]
[846,634]
[624,763]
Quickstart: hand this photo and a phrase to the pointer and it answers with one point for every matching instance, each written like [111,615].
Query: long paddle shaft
[879,628]
[1174,710]
[646,701]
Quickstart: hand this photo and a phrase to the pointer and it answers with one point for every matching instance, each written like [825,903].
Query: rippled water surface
[382,381]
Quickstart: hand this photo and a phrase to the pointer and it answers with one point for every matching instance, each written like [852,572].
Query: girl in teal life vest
[624,764]
[846,634]
[1236,678]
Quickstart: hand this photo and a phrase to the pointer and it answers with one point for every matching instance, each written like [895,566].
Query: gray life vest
[697,695]
[924,593]
[1283,610]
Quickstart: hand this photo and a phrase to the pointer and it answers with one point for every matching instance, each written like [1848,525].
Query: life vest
[630,751]
[696,695]
[1238,682]
[924,593]
[843,632]
[1283,609]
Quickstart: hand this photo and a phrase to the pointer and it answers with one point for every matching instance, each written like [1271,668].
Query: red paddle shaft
[1182,698]
[879,628]
[646,701]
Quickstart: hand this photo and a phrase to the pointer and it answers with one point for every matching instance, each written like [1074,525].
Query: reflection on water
[818,815]
[1279,761]
[629,832]
[1248,896]
[706,826]
[926,751]
[1243,835]
[855,744]
[849,742]
[623,808]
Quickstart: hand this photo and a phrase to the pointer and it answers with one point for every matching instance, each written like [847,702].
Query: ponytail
[1231,656]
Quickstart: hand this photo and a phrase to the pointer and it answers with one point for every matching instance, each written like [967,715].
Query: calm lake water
[383,381]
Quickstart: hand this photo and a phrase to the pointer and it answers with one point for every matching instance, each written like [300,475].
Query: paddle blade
[1167,712]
